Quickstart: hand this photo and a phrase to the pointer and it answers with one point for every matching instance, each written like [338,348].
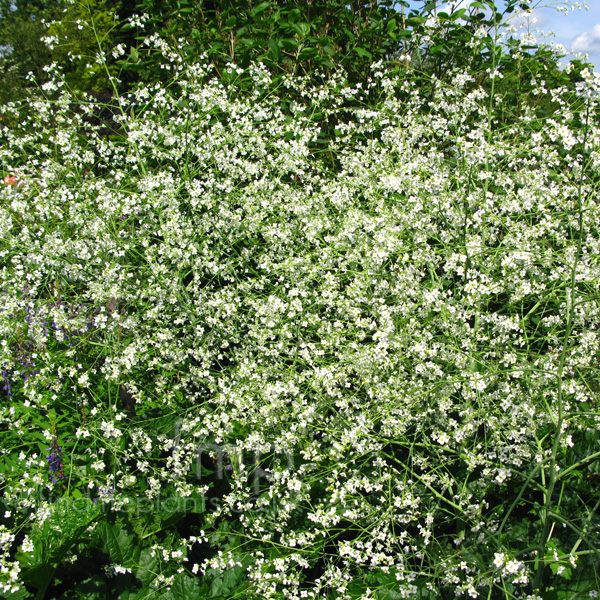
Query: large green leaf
[226,583]
[260,8]
[188,588]
[120,544]
[302,29]
[62,529]
[275,50]
[147,567]
[363,53]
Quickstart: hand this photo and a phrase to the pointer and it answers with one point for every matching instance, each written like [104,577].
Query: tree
[300,37]
[36,33]
[21,29]
[292,36]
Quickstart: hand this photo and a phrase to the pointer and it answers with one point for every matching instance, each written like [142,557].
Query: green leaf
[39,575]
[327,63]
[187,588]
[134,55]
[275,50]
[259,9]
[60,531]
[119,543]
[289,44]
[561,570]
[307,53]
[294,15]
[392,25]
[274,17]
[249,42]
[217,47]
[232,576]
[223,585]
[302,29]
[415,21]
[147,567]
[364,53]
[93,588]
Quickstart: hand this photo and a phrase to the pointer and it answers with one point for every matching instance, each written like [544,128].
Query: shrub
[244,359]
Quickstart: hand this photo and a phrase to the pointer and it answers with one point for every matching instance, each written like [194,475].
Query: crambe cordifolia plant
[283,365]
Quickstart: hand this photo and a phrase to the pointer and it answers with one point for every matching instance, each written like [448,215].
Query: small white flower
[27,545]
[443,438]
[499,560]
[118,50]
[502,476]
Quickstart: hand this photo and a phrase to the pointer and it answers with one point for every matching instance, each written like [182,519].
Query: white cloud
[526,20]
[588,41]
[520,19]
[455,5]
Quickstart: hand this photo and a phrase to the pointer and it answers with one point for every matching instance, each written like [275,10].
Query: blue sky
[578,31]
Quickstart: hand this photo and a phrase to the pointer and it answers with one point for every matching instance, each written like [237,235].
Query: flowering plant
[387,336]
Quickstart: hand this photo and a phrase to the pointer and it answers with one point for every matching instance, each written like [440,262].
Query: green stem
[547,516]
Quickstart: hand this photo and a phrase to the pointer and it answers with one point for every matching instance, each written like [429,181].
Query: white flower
[502,475]
[118,50]
[27,545]
[442,438]
[499,560]
[98,465]
[109,430]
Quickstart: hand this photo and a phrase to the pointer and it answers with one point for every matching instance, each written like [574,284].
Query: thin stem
[546,514]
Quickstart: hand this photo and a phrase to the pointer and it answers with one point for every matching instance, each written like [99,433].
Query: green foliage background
[289,36]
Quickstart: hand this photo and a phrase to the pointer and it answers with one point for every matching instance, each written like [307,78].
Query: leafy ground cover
[245,359]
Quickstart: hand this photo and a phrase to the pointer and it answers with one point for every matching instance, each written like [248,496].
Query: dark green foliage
[78,30]
[300,37]
[20,30]
[297,36]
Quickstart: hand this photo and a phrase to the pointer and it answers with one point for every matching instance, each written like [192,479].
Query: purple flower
[55,462]
[7,383]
